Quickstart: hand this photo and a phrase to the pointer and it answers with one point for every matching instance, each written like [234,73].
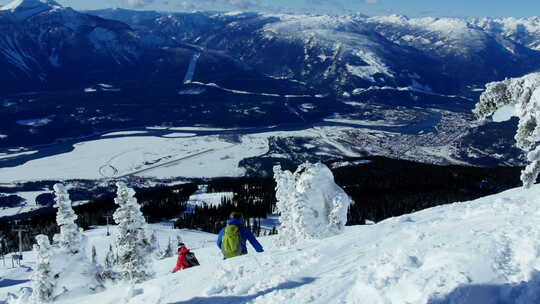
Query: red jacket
[182,262]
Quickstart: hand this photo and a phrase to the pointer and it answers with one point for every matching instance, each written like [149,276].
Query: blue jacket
[245,235]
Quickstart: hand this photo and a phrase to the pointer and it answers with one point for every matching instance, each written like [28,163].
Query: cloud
[372,1]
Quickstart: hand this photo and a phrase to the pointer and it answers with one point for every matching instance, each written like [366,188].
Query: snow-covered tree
[517,97]
[110,258]
[168,251]
[310,204]
[70,236]
[285,193]
[154,242]
[94,255]
[134,249]
[43,281]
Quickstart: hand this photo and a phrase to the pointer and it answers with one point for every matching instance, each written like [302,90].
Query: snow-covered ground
[209,199]
[143,156]
[485,251]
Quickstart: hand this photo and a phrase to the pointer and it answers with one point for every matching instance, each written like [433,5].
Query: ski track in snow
[191,69]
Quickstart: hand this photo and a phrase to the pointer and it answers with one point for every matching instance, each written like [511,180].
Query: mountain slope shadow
[248,298]
[518,293]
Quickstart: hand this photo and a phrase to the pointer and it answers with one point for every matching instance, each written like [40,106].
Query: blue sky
[413,8]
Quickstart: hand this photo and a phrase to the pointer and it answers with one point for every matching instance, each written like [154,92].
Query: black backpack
[191,259]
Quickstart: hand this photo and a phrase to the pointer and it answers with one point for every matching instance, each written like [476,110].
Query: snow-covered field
[199,152]
[142,156]
[485,251]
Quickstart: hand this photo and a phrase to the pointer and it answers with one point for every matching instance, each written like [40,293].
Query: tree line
[380,187]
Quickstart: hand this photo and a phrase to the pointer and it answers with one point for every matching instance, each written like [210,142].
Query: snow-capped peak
[27,8]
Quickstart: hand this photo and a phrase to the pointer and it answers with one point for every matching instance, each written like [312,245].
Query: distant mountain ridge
[444,55]
[48,46]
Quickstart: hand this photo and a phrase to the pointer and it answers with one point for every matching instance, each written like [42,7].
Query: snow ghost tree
[134,248]
[517,97]
[285,193]
[310,204]
[43,281]
[72,269]
[70,236]
[68,267]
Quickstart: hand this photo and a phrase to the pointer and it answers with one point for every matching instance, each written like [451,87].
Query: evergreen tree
[110,258]
[169,250]
[521,96]
[43,281]
[94,255]
[134,249]
[154,242]
[70,236]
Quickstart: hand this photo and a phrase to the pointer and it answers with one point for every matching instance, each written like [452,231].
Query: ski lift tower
[108,217]
[19,257]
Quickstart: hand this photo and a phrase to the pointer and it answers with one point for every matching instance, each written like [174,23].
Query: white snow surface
[143,156]
[124,133]
[505,113]
[209,199]
[484,251]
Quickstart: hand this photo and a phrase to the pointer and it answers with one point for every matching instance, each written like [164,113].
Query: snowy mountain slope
[45,44]
[22,9]
[337,53]
[484,251]
[524,31]
[348,52]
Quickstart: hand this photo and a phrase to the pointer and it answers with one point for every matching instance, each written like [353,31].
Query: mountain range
[47,45]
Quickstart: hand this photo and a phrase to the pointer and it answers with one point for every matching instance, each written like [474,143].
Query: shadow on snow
[518,293]
[8,282]
[247,298]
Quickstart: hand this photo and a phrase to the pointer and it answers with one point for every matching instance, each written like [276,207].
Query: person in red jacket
[182,262]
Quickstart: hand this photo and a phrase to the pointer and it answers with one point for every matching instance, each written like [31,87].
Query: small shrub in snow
[310,204]
[134,249]
[70,236]
[517,97]
[43,280]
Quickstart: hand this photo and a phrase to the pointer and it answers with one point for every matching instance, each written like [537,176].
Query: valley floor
[484,251]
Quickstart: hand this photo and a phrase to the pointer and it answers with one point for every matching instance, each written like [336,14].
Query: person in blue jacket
[232,239]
